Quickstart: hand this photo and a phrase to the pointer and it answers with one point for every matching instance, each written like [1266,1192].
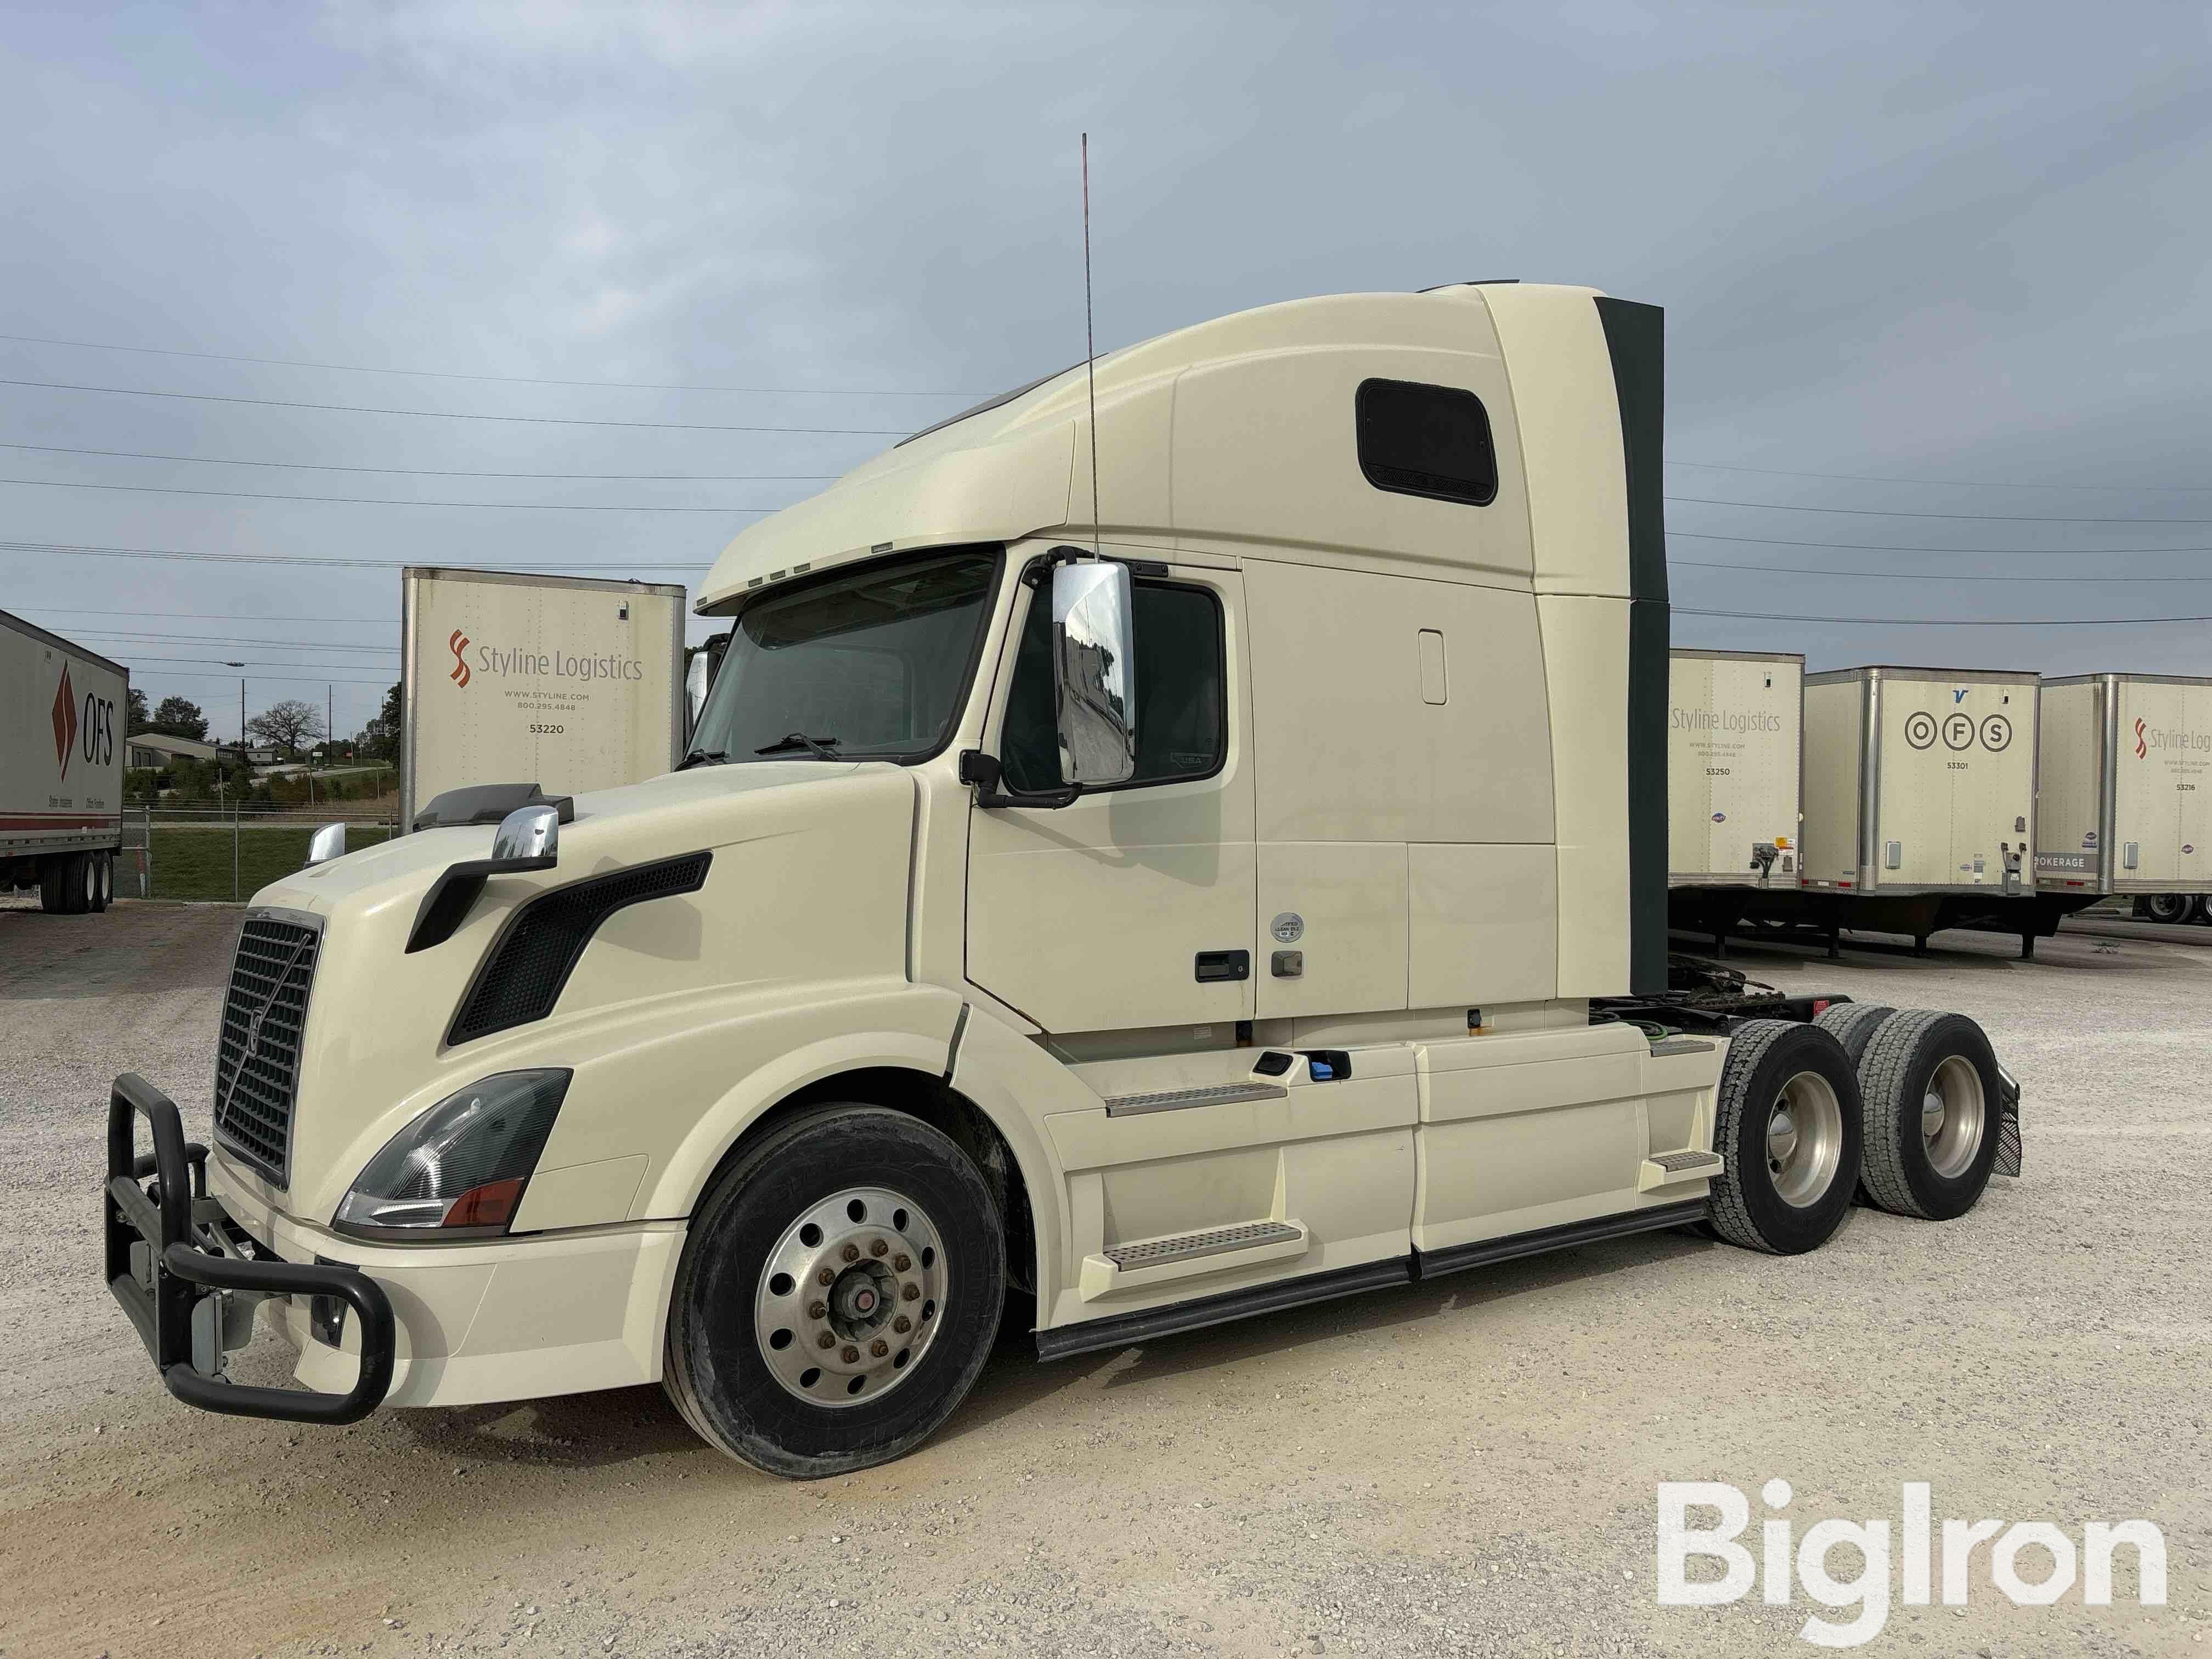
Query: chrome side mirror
[1094,673]
[528,832]
[325,844]
[695,673]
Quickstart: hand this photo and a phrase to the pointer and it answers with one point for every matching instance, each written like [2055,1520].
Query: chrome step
[1161,1251]
[1173,1100]
[1665,1169]
[1185,1256]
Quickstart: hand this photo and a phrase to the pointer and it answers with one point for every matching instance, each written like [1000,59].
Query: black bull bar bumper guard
[184,1274]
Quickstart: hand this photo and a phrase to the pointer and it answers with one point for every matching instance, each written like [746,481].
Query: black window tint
[1426,441]
[1182,725]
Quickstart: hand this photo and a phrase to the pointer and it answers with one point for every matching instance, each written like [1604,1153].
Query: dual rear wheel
[1902,1109]
[77,883]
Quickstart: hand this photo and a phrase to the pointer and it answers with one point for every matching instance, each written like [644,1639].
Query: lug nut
[817,1310]
[826,1277]
[851,1356]
[879,1347]
[901,1324]
[879,1249]
[911,1293]
[851,1253]
[902,1261]
[825,1341]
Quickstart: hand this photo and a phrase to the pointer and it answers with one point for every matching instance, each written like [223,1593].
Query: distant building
[151,750]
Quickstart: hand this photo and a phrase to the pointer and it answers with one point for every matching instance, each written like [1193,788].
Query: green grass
[195,864]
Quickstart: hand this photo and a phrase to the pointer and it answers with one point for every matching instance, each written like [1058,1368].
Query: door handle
[1214,965]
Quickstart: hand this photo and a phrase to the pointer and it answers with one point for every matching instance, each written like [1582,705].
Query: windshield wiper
[703,757]
[825,747]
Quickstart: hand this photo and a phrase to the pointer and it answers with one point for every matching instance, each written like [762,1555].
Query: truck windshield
[865,663]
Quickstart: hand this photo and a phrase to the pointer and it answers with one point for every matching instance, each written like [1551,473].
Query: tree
[284,726]
[379,739]
[134,718]
[179,717]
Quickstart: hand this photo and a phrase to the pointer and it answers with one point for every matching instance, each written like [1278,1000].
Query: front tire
[1787,1125]
[838,1294]
[1932,1106]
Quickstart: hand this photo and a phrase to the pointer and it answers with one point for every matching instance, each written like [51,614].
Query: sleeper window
[1182,725]
[1432,441]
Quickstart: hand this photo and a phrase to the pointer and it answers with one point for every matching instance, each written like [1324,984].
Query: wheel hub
[851,1295]
[1804,1140]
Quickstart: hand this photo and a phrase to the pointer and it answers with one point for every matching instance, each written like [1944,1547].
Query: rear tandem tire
[750,1298]
[2170,908]
[1933,1105]
[1853,1024]
[1787,1123]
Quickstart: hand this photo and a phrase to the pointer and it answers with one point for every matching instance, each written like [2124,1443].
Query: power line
[1891,512]
[449,414]
[264,679]
[438,473]
[381,500]
[1917,576]
[1963,483]
[249,664]
[76,549]
[235,616]
[1942,622]
[1881,547]
[213,640]
[507,380]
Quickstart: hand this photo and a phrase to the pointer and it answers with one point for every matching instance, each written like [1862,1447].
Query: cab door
[1133,907]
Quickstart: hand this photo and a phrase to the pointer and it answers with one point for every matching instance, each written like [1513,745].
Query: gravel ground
[1463,1466]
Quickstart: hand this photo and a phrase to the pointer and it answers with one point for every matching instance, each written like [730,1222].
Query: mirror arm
[985,772]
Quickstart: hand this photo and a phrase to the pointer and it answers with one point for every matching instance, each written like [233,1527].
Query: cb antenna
[1091,355]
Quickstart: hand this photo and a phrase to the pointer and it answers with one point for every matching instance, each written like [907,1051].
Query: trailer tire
[1787,1125]
[1933,1105]
[103,881]
[1853,1024]
[2168,907]
[53,886]
[750,1305]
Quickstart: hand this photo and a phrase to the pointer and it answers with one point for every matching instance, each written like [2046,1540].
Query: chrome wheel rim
[851,1298]
[1952,1114]
[1804,1140]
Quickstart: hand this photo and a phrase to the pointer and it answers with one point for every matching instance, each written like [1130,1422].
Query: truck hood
[806,879]
[605,834]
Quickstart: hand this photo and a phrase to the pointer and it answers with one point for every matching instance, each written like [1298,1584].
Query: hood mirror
[325,844]
[528,832]
[528,838]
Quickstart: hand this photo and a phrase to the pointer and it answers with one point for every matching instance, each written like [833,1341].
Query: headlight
[462,1164]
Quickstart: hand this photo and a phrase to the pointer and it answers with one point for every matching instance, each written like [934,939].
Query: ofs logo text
[1723,720]
[2029,1563]
[2171,740]
[86,730]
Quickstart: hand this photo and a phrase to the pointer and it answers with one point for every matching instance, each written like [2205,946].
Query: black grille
[257,1061]
[531,961]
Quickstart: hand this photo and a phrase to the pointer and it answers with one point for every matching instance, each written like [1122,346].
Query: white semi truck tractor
[1229,878]
[62,716]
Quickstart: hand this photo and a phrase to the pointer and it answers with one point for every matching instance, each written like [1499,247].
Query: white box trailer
[1919,781]
[1734,753]
[2125,800]
[573,682]
[61,767]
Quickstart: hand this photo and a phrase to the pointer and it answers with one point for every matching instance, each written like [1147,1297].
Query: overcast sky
[1896,242]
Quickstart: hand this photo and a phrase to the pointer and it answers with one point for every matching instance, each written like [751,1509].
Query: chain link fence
[231,853]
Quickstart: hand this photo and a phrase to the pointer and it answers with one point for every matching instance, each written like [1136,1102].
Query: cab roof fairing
[1015,468]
